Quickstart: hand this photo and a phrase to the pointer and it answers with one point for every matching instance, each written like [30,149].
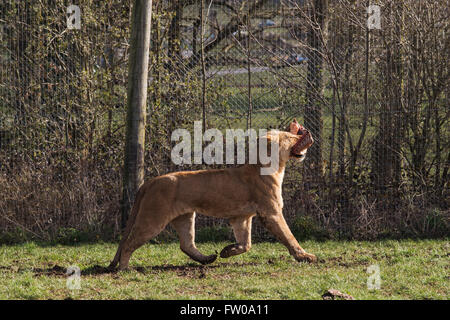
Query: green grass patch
[408,270]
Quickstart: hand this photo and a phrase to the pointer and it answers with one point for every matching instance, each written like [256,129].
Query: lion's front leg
[242,228]
[277,225]
[185,227]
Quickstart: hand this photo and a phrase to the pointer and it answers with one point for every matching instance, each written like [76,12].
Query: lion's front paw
[209,259]
[228,251]
[306,257]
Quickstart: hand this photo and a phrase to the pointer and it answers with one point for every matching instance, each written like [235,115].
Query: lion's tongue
[303,143]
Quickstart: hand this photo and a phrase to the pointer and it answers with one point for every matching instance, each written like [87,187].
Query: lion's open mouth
[303,143]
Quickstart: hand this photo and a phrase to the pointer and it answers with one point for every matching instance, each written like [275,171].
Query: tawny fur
[234,193]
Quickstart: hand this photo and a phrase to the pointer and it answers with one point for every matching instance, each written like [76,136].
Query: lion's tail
[129,226]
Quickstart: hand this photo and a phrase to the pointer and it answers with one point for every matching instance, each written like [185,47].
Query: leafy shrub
[214,234]
[436,222]
[17,235]
[305,228]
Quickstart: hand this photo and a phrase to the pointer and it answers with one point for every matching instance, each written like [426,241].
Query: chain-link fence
[369,82]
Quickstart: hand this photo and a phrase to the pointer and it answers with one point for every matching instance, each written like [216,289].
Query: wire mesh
[376,105]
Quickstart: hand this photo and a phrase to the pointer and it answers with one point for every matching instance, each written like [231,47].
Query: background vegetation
[375,100]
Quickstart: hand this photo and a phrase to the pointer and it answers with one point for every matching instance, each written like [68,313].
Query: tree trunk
[174,43]
[386,156]
[346,96]
[313,110]
[136,103]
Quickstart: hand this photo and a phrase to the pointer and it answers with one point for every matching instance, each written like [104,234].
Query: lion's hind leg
[138,238]
[147,226]
[242,228]
[185,227]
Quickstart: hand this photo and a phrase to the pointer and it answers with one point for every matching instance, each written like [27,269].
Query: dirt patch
[11,268]
[56,270]
[97,270]
[190,270]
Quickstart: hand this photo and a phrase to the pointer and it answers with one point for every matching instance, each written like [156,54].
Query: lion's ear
[294,127]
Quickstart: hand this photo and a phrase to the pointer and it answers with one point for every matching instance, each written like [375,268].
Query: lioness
[234,193]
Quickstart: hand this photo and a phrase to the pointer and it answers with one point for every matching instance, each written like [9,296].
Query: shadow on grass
[190,269]
[179,269]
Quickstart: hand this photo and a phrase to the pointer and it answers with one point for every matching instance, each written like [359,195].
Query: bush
[436,222]
[306,228]
[214,234]
[70,236]
[17,235]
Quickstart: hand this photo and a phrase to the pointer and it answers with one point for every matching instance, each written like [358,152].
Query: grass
[408,269]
